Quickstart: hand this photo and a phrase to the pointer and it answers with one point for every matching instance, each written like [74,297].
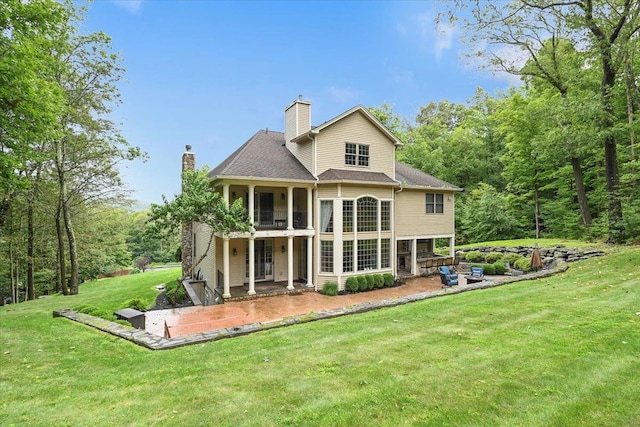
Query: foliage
[500,267]
[371,281]
[175,292]
[474,256]
[330,288]
[488,268]
[137,304]
[485,215]
[363,284]
[388,279]
[523,264]
[378,280]
[352,284]
[492,257]
[511,258]
[198,203]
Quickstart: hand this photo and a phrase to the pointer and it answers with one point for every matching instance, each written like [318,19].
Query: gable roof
[357,109]
[264,155]
[411,177]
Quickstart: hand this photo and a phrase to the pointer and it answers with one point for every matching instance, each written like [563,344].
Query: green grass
[561,351]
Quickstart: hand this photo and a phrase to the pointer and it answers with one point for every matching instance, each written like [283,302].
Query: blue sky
[210,73]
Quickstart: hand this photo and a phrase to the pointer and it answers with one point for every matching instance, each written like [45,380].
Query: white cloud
[342,95]
[403,78]
[132,6]
[444,38]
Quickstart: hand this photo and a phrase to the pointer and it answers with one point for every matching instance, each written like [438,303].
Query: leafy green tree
[198,203]
[485,216]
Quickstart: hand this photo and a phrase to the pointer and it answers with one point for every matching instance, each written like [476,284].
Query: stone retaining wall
[548,255]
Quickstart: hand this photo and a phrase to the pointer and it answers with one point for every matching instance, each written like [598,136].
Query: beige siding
[358,129]
[327,191]
[352,192]
[411,219]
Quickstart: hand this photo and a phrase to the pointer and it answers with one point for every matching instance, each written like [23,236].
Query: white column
[252,267]
[310,261]
[289,208]
[252,190]
[225,266]
[309,208]
[290,263]
[452,247]
[414,256]
[225,193]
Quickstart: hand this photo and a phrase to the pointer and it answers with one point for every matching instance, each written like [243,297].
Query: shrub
[378,280]
[388,279]
[362,283]
[523,264]
[511,258]
[92,310]
[371,281]
[175,292]
[134,271]
[352,284]
[474,256]
[330,288]
[489,269]
[492,257]
[137,304]
[461,255]
[500,267]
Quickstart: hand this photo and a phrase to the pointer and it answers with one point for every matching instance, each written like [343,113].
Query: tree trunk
[581,192]
[536,210]
[73,251]
[632,107]
[62,268]
[31,294]
[616,224]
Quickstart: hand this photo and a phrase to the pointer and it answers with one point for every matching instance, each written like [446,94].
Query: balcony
[277,220]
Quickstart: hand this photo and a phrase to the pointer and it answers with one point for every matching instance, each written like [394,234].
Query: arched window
[367,214]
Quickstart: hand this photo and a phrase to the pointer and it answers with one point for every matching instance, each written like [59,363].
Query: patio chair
[446,277]
[477,275]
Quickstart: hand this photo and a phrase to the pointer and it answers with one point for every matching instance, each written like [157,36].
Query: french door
[263,256]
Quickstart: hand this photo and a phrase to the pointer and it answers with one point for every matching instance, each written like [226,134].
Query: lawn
[558,351]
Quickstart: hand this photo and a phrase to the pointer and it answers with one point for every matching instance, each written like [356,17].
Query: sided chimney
[297,119]
[188,164]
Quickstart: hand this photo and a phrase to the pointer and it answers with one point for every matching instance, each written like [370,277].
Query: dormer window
[356,154]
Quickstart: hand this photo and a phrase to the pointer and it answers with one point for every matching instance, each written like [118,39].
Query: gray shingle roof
[264,155]
[410,176]
[349,175]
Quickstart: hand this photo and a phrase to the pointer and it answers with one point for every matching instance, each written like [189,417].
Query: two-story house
[328,202]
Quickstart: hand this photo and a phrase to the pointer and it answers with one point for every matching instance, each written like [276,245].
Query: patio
[185,321]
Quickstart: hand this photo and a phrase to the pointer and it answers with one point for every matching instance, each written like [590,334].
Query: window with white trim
[435,203]
[367,214]
[367,254]
[326,256]
[385,253]
[347,256]
[326,216]
[356,154]
[385,216]
[347,216]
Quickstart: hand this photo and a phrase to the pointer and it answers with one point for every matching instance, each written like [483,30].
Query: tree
[198,203]
[603,29]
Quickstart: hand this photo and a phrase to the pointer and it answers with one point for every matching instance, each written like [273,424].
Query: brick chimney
[297,119]
[188,164]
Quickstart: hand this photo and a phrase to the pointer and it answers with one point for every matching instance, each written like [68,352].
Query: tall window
[356,154]
[367,254]
[385,216]
[385,253]
[347,216]
[326,256]
[326,216]
[347,256]
[367,214]
[435,203]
